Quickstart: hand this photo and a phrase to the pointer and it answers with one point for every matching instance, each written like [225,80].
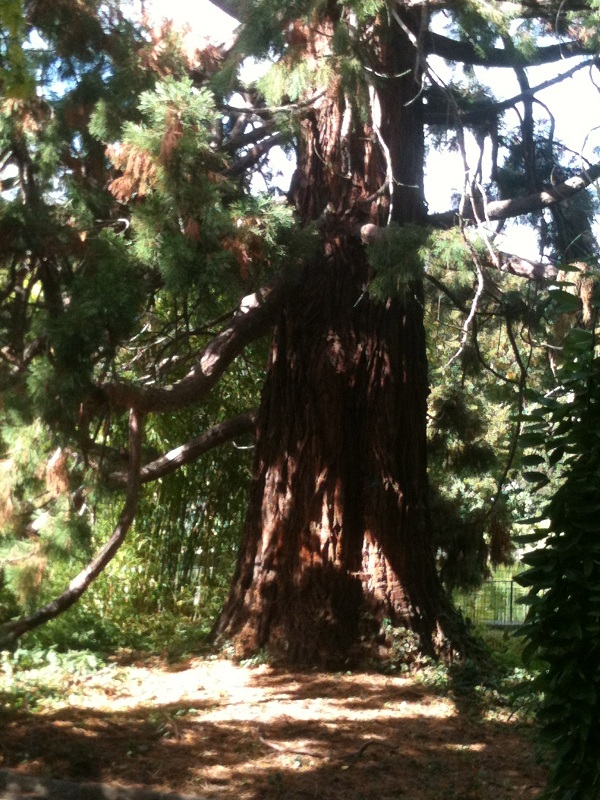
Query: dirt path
[228,732]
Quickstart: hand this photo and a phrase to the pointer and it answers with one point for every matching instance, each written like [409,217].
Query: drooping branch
[473,310]
[253,319]
[190,451]
[11,631]
[521,386]
[519,206]
[456,302]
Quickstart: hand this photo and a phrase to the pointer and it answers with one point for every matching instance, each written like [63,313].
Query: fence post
[512,586]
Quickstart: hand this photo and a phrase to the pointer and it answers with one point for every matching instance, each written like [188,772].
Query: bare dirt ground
[229,732]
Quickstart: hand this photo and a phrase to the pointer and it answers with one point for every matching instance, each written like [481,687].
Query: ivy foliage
[563,575]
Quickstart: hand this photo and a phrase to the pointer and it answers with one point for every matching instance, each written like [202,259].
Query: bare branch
[254,155]
[486,110]
[534,270]
[254,318]
[12,630]
[190,451]
[519,206]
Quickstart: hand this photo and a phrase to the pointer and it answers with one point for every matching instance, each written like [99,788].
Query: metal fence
[495,603]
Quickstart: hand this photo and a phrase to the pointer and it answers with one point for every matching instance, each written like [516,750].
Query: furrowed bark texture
[338,529]
[337,522]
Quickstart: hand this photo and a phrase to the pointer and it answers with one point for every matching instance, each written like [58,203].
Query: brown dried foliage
[170,49]
[139,174]
[57,473]
[30,577]
[163,54]
[247,248]
[6,500]
[170,140]
[209,59]
[191,229]
[583,285]
[30,115]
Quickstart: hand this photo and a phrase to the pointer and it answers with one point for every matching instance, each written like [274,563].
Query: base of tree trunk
[337,545]
[331,623]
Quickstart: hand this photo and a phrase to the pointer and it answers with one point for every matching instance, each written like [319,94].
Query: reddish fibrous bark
[337,536]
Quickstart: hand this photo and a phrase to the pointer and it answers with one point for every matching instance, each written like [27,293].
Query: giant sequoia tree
[338,532]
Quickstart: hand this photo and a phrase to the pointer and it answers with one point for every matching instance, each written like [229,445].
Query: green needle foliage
[125,244]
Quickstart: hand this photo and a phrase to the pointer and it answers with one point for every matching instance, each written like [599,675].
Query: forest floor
[225,731]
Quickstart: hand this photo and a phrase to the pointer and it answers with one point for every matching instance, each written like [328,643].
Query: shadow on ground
[244,734]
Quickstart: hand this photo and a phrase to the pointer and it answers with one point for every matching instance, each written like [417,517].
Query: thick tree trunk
[338,528]
[338,536]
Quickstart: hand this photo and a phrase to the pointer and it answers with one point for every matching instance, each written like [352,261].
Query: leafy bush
[563,621]
[34,675]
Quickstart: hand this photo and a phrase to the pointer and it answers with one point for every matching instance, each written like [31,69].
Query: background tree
[121,303]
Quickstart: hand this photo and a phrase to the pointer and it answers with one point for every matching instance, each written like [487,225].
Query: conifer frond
[57,473]
[6,500]
[171,137]
[139,172]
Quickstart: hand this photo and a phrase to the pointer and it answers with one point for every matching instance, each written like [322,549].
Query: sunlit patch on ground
[228,731]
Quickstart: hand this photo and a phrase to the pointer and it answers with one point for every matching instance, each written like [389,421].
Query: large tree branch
[248,137]
[467,53]
[519,206]
[11,631]
[254,318]
[238,9]
[254,155]
[190,451]
[449,116]
[533,270]
[523,9]
[545,9]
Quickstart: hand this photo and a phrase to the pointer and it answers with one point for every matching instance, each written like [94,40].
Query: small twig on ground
[371,743]
[283,749]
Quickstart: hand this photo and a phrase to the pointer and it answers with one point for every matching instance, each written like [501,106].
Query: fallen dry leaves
[232,732]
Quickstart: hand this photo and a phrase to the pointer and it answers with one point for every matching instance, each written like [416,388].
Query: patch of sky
[576,116]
